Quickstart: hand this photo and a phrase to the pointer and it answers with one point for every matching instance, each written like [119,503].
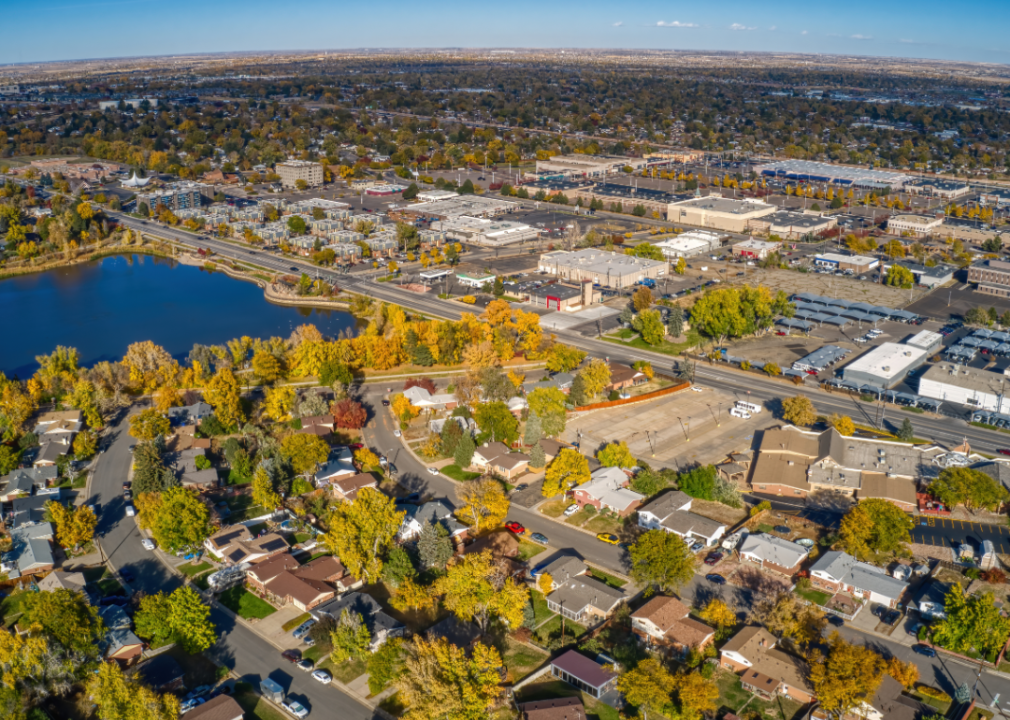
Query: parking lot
[947,532]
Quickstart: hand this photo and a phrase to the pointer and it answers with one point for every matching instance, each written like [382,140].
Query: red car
[780,333]
[811,372]
[1003,451]
[356,446]
[291,655]
[515,527]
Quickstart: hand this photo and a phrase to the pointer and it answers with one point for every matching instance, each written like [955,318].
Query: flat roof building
[837,174]
[655,202]
[472,205]
[482,231]
[756,249]
[928,340]
[913,225]
[598,266]
[992,276]
[885,365]
[994,196]
[294,170]
[556,296]
[718,212]
[790,225]
[978,389]
[855,263]
[925,275]
[589,165]
[935,187]
[435,195]
[690,243]
[174,196]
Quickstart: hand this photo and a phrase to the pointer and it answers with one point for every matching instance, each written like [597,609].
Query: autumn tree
[595,377]
[278,402]
[905,673]
[616,455]
[969,487]
[267,367]
[497,423]
[484,503]
[564,358]
[305,452]
[65,616]
[263,492]
[696,694]
[181,617]
[149,424]
[362,532]
[642,299]
[846,677]
[718,614]
[476,588]
[661,560]
[350,638]
[223,394]
[350,414]
[568,469]
[875,526]
[119,697]
[786,617]
[647,686]
[167,398]
[799,410]
[545,584]
[181,519]
[843,424]
[441,680]
[410,595]
[74,527]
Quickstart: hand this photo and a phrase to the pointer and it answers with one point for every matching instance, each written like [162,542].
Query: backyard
[733,696]
[547,689]
[521,660]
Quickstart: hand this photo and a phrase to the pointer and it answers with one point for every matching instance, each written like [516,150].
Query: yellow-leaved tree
[73,527]
[484,503]
[442,680]
[278,402]
[568,469]
[263,492]
[362,532]
[222,393]
[474,589]
[305,452]
[119,697]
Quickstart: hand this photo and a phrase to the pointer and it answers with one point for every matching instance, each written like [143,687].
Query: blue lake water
[101,307]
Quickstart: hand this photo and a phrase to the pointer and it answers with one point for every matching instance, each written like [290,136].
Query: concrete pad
[271,627]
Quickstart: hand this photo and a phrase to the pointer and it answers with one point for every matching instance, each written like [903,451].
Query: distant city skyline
[81,29]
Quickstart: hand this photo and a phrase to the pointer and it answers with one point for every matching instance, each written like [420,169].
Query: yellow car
[607,538]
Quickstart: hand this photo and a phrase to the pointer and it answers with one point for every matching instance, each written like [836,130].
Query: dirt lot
[717,511]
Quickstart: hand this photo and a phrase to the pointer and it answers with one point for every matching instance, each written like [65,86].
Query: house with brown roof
[569,708]
[665,622]
[623,376]
[346,487]
[323,421]
[285,580]
[303,593]
[223,707]
[589,676]
[764,670]
[495,457]
[235,544]
[260,574]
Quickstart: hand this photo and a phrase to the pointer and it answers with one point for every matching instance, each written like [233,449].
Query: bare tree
[571,237]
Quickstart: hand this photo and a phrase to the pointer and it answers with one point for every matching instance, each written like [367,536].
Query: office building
[294,170]
[992,276]
[689,244]
[884,366]
[913,225]
[978,389]
[598,266]
[755,249]
[809,171]
[997,197]
[718,212]
[175,196]
[790,225]
[931,342]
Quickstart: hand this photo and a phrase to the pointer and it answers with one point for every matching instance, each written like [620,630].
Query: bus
[747,406]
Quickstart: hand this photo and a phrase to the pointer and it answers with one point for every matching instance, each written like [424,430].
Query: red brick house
[664,622]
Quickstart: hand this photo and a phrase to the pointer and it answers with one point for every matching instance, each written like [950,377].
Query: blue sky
[74,29]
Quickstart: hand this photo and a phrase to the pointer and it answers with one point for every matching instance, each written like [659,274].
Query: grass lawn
[521,660]
[302,537]
[595,710]
[348,671]
[190,569]
[242,508]
[458,474]
[765,528]
[109,586]
[528,550]
[295,622]
[607,578]
[256,707]
[667,348]
[608,524]
[815,596]
[733,696]
[942,706]
[540,610]
[554,508]
[244,603]
[553,627]
[980,714]
[235,479]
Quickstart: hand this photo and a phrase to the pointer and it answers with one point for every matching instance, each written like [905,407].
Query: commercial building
[924,275]
[598,266]
[589,165]
[994,196]
[885,365]
[755,249]
[992,276]
[691,243]
[978,389]
[294,170]
[628,197]
[856,263]
[435,195]
[718,212]
[134,103]
[474,281]
[472,205]
[175,196]
[935,187]
[385,189]
[790,225]
[674,156]
[913,225]
[810,171]
[555,296]
[482,231]
[931,342]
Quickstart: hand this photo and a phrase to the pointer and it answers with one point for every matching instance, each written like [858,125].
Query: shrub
[973,573]
[994,576]
[760,508]
[468,299]
[932,692]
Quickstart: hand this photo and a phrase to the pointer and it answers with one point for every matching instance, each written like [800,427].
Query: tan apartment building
[294,170]
[719,213]
[608,269]
[992,276]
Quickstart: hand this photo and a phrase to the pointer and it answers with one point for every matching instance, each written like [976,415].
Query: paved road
[238,647]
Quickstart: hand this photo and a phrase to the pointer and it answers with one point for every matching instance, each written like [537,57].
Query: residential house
[608,488]
[304,593]
[340,464]
[569,708]
[589,676]
[931,600]
[517,405]
[672,512]
[162,673]
[59,580]
[461,633]
[495,458]
[304,586]
[436,511]
[59,416]
[58,428]
[235,545]
[665,622]
[585,599]
[623,376]
[119,642]
[50,451]
[467,425]
[421,398]
[836,571]
[764,670]
[484,455]
[262,573]
[381,626]
[40,477]
[223,707]
[323,421]
[18,483]
[561,381]
[562,569]
[28,511]
[30,552]
[201,480]
[551,448]
[889,702]
[190,414]
[773,553]
[346,487]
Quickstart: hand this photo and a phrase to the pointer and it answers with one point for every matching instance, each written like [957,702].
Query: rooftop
[600,261]
[966,377]
[579,666]
[888,361]
[727,206]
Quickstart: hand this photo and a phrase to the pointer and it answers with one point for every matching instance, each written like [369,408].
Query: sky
[76,29]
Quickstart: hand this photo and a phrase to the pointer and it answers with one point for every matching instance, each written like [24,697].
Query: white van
[747,407]
[737,412]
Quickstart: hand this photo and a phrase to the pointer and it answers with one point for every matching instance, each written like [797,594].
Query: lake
[101,307]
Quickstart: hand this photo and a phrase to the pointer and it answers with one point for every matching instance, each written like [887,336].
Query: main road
[238,648]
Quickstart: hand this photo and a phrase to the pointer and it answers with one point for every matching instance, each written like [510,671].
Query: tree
[181,617]
[719,614]
[596,376]
[786,617]
[906,432]
[568,469]
[385,664]
[546,401]
[899,276]
[181,519]
[151,620]
[873,526]
[74,528]
[799,410]
[223,394]
[545,584]
[497,422]
[538,458]
[681,267]
[434,547]
[474,588]
[119,697]
[278,402]
[441,680]
[149,424]
[971,623]
[464,451]
[305,452]
[362,532]
[398,567]
[616,455]
[564,358]
[905,673]
[66,617]
[350,414]
[847,677]
[642,299]
[650,326]
[661,560]
[484,503]
[149,471]
[366,459]
[10,458]
[167,398]
[350,639]
[699,482]
[843,424]
[675,321]
[968,486]
[533,432]
[263,493]
[697,695]
[647,686]
[266,366]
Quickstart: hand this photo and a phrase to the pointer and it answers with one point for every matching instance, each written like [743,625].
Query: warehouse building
[913,225]
[930,277]
[385,190]
[655,202]
[931,342]
[589,165]
[885,365]
[600,267]
[992,276]
[689,244]
[790,225]
[807,170]
[754,249]
[489,233]
[435,195]
[935,187]
[978,389]
[856,263]
[294,170]
[718,212]
[472,205]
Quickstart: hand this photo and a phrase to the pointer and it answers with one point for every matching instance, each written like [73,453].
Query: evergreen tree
[538,458]
[433,546]
[906,432]
[675,321]
[464,451]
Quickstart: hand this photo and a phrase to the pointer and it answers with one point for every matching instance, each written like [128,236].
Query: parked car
[836,621]
[713,558]
[515,527]
[322,676]
[305,665]
[608,538]
[291,655]
[890,617]
[571,509]
[540,538]
[130,512]
[385,403]
[126,574]
[717,579]
[190,705]
[302,629]
[295,708]
[520,487]
[147,543]
[924,650]
[396,433]
[432,471]
[697,547]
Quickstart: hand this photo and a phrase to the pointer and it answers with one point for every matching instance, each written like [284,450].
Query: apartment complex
[294,170]
[992,276]
[719,213]
[608,269]
[175,196]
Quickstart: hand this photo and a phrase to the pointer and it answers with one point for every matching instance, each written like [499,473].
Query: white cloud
[618,23]
[774,27]
[675,24]
[738,26]
[862,37]
[803,33]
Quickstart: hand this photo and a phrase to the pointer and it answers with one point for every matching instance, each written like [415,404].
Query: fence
[637,398]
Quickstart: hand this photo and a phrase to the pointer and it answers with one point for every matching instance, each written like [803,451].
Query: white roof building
[885,364]
[763,548]
[689,243]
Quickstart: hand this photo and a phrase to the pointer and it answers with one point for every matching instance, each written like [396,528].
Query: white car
[295,708]
[148,543]
[433,471]
[322,676]
[396,433]
[571,509]
[130,512]
[737,412]
[695,388]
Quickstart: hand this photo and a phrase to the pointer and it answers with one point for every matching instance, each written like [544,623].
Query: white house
[339,464]
[436,511]
[421,398]
[837,571]
[607,488]
[773,553]
[672,512]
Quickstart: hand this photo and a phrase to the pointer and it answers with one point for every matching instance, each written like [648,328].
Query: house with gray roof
[585,599]
[381,626]
[837,571]
[436,511]
[59,580]
[119,642]
[671,512]
[998,471]
[29,510]
[562,569]
[773,553]
[17,484]
[589,676]
[51,451]
[30,551]
[190,414]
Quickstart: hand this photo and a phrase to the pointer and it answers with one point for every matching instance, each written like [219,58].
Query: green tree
[648,251]
[397,567]
[434,548]
[564,358]
[385,665]
[661,560]
[899,276]
[9,459]
[361,533]
[969,487]
[699,482]
[497,423]
[875,526]
[181,520]
[464,451]
[533,432]
[972,622]
[566,470]
[595,377]
[675,321]
[538,458]
[296,225]
[350,638]
[66,617]
[181,617]
[649,324]
[906,433]
[616,455]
